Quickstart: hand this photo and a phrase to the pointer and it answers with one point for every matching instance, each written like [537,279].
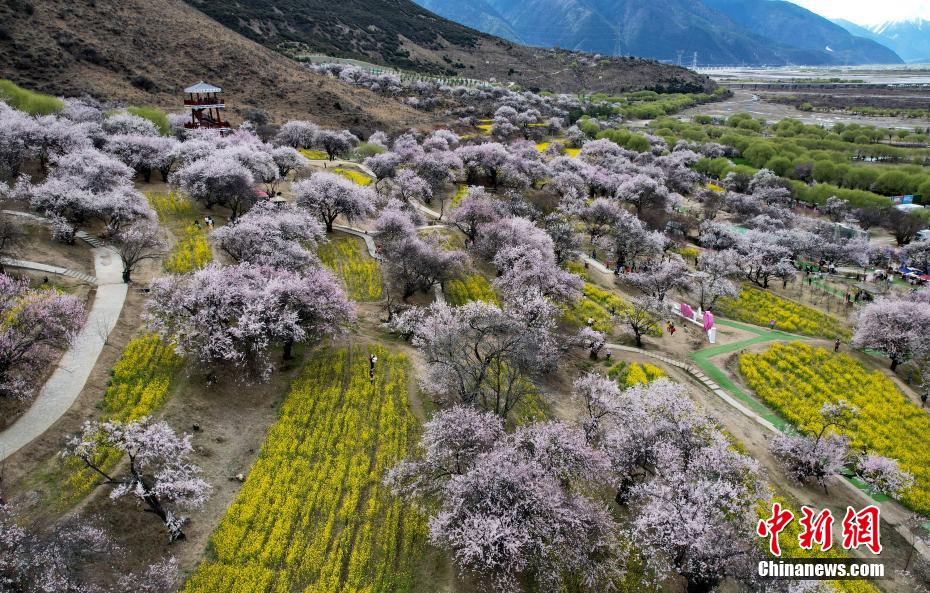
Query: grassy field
[347,257]
[29,101]
[759,307]
[313,515]
[474,287]
[154,115]
[797,379]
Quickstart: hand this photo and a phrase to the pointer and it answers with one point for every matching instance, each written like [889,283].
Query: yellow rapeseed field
[473,287]
[759,307]
[191,252]
[355,176]
[139,385]
[348,259]
[797,379]
[313,515]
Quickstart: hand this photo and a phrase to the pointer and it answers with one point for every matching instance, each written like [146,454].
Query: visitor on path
[372,361]
[772,325]
[836,345]
[671,328]
[810,281]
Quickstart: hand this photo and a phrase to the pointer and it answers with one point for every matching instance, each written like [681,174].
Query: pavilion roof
[203,87]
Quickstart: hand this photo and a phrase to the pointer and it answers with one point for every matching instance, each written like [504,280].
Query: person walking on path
[772,325]
[836,345]
[372,361]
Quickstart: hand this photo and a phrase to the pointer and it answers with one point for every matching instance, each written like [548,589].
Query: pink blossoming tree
[159,473]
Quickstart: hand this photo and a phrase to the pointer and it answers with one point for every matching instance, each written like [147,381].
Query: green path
[702,359]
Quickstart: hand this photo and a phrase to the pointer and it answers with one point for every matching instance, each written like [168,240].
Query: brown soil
[38,246]
[233,418]
[840,99]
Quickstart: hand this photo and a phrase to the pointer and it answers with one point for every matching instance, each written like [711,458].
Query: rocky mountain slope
[910,39]
[720,31]
[401,34]
[147,51]
[791,25]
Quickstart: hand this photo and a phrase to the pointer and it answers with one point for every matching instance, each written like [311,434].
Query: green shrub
[29,101]
[639,143]
[367,149]
[154,115]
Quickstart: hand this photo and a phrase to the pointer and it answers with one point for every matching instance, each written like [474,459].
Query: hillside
[104,49]
[782,21]
[910,38]
[718,30]
[401,34]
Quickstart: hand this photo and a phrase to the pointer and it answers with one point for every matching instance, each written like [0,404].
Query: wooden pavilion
[207,107]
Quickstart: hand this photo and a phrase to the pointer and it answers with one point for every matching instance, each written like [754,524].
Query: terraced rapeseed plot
[314,155]
[600,306]
[313,515]
[633,374]
[354,176]
[191,251]
[347,258]
[796,380]
[139,386]
[761,306]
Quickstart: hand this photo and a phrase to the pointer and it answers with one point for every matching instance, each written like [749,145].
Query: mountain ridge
[910,38]
[402,34]
[145,52]
[718,30]
[781,20]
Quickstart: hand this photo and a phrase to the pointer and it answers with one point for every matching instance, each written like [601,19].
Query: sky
[868,12]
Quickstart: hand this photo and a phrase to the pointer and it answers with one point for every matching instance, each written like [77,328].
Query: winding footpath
[711,377]
[67,381]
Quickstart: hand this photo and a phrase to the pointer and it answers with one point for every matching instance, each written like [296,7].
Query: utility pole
[681,52]
[694,61]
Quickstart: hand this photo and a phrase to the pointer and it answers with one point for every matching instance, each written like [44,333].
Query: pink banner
[687,311]
[708,320]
